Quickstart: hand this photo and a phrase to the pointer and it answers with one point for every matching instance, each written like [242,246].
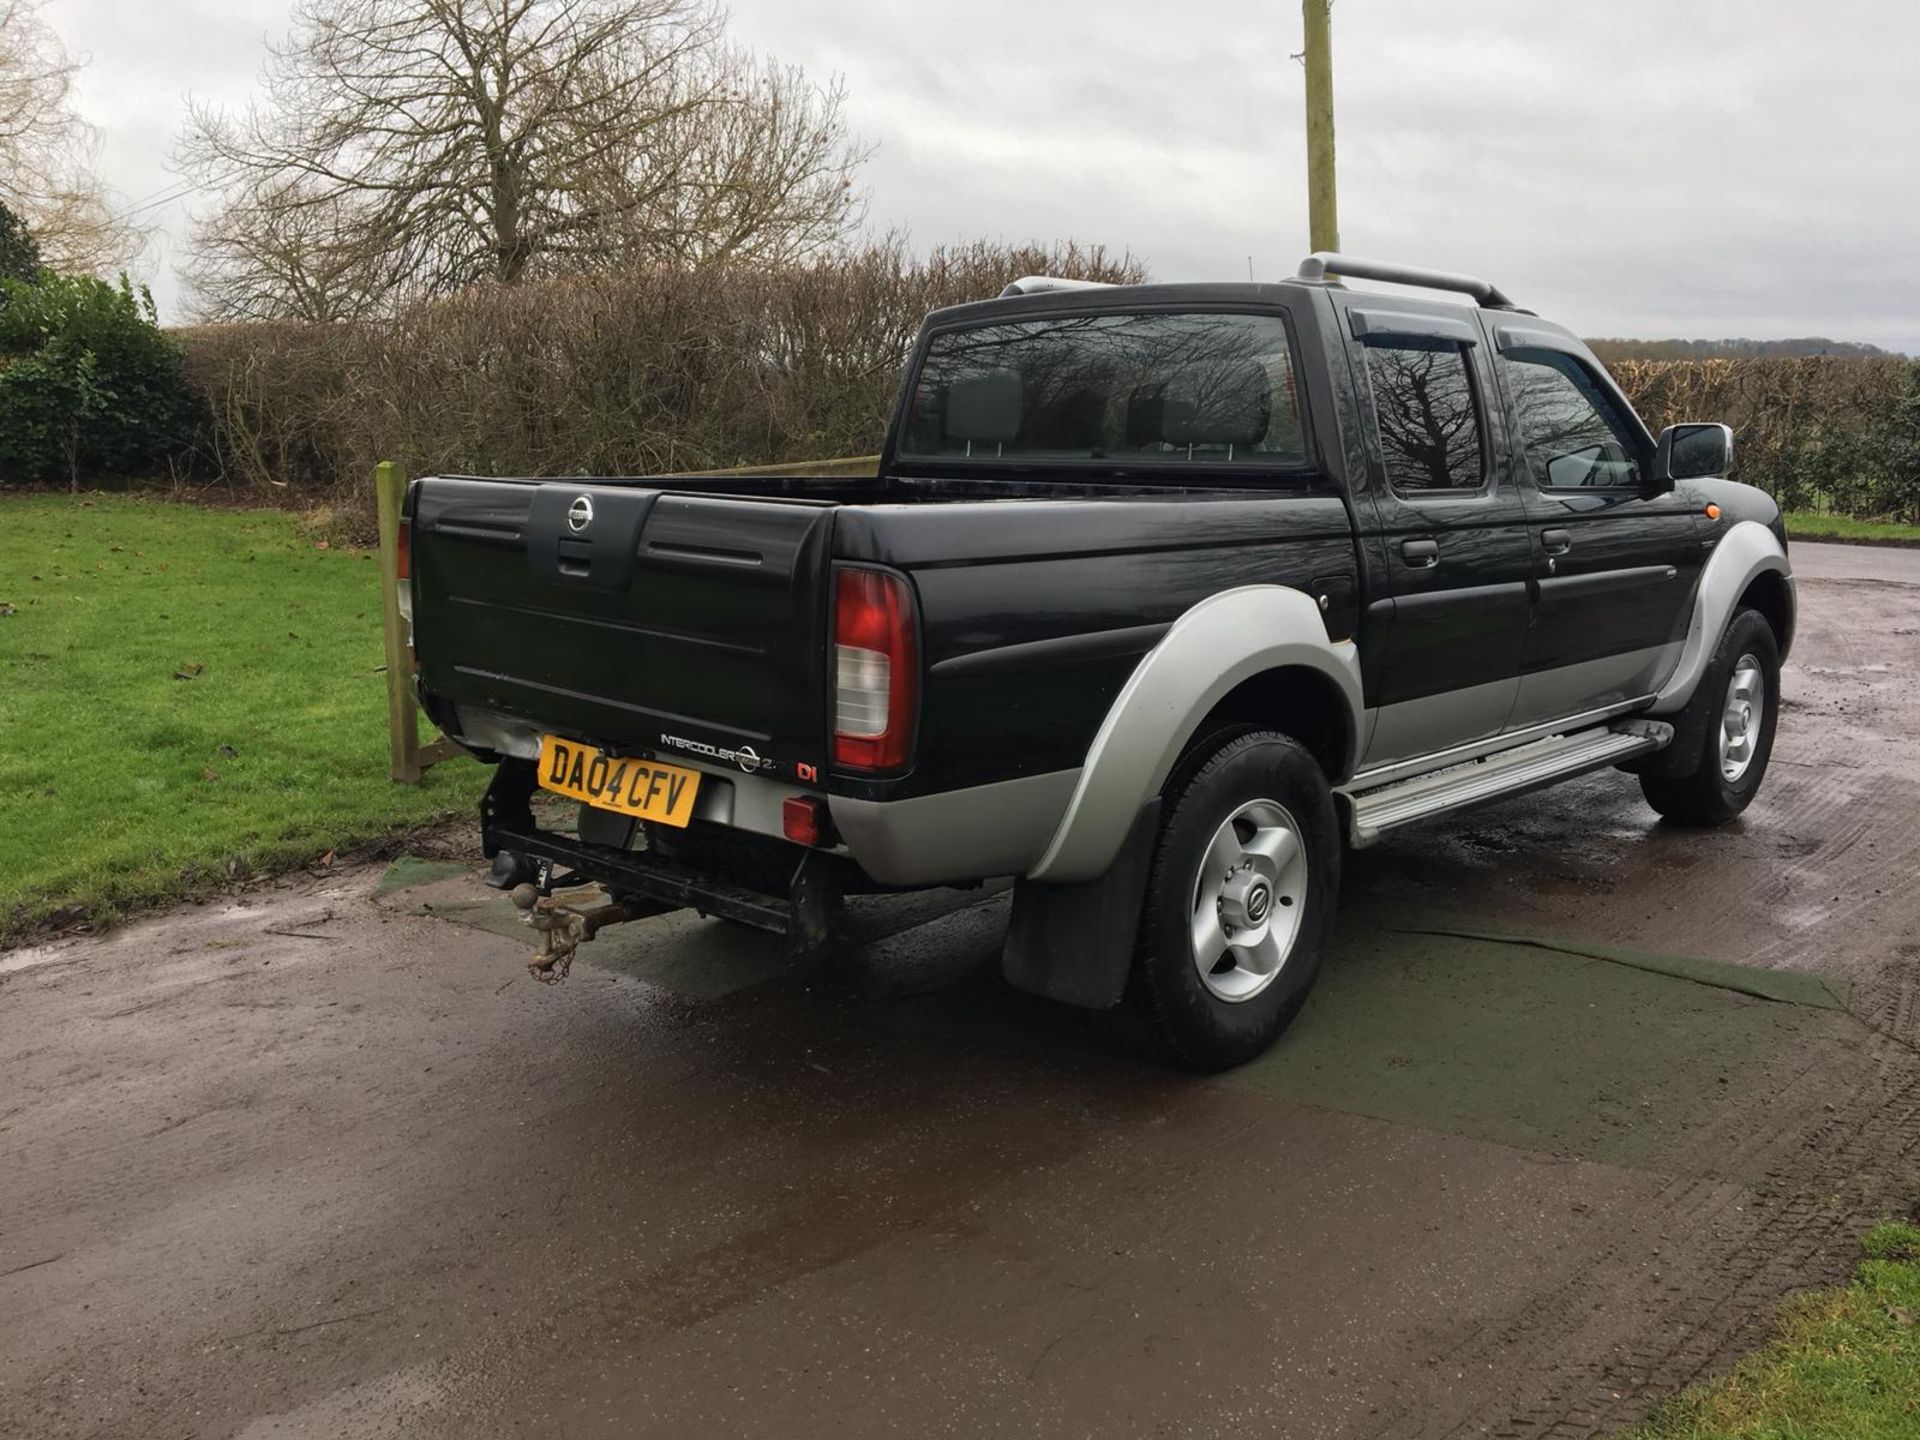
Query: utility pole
[1323,214]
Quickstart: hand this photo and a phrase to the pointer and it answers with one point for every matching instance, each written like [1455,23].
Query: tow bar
[644,884]
[562,927]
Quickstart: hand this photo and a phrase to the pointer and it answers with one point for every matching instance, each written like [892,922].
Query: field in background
[1810,525]
[185,694]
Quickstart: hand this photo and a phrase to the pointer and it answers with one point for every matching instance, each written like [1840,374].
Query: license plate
[631,786]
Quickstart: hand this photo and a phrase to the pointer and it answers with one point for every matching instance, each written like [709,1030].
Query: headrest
[1225,402]
[984,408]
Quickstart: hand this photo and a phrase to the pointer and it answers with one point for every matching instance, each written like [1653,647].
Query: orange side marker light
[1713,512]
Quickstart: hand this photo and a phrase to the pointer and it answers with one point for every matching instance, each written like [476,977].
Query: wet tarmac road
[314,1163]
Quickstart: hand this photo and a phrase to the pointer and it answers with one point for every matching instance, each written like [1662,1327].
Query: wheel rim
[1740,719]
[1248,900]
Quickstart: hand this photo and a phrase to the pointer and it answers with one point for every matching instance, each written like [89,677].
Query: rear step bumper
[804,915]
[1500,775]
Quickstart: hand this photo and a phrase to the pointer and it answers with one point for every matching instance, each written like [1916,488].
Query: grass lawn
[1809,525]
[1843,1365]
[184,693]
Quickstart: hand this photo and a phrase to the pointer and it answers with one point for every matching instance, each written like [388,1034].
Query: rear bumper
[803,915]
[977,833]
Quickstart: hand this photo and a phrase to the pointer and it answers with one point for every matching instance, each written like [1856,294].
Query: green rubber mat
[1550,1045]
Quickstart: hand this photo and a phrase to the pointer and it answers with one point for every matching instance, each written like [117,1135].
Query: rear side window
[1574,434]
[1428,416]
[1160,387]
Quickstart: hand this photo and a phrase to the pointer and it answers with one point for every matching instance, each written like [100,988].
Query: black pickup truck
[1162,596]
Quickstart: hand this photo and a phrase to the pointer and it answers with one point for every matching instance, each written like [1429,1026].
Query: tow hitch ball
[562,927]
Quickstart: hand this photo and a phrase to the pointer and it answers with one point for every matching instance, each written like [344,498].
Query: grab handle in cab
[1421,554]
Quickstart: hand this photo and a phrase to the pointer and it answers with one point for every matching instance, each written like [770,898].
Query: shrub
[1817,433]
[664,369]
[640,372]
[88,382]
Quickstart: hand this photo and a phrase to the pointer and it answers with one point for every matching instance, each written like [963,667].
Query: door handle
[1421,554]
[1556,542]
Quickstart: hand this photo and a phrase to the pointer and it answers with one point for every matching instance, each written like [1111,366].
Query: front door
[1614,562]
[1448,557]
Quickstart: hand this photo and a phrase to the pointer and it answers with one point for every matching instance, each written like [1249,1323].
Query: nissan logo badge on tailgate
[580,514]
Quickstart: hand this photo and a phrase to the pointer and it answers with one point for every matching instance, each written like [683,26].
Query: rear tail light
[876,670]
[403,569]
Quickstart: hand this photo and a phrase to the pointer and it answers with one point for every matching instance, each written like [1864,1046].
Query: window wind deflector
[1370,323]
[1508,338]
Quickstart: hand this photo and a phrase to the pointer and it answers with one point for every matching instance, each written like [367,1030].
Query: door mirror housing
[1692,452]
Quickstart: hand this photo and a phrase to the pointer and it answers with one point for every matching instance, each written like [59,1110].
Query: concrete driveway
[323,1162]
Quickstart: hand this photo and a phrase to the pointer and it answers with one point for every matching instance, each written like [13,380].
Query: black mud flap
[1075,942]
[508,803]
[1680,755]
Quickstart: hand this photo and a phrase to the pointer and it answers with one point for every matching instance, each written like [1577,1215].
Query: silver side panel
[1222,641]
[1593,684]
[971,834]
[1408,728]
[1747,551]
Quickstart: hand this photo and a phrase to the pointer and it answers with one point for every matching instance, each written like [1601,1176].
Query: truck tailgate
[631,617]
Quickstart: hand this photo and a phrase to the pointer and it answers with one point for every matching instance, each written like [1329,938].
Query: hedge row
[1819,433]
[640,373]
[658,371]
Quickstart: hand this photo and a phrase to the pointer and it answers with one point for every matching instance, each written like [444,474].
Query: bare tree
[46,151]
[413,147]
[275,252]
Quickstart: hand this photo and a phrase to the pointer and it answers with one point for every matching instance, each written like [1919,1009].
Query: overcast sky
[1699,168]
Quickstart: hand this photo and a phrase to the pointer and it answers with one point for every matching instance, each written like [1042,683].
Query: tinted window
[1573,433]
[1423,402]
[1165,387]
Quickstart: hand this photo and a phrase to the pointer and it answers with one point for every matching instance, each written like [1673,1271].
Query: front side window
[1574,435]
[1424,404]
[1160,387]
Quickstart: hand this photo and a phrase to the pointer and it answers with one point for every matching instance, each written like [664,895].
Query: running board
[1506,772]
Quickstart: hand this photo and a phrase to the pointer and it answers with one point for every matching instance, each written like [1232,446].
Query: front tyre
[1742,689]
[1239,903]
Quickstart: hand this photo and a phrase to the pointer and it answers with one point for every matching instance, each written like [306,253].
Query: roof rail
[1322,263]
[1040,284]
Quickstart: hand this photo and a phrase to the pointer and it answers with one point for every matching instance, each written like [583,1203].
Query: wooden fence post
[403,735]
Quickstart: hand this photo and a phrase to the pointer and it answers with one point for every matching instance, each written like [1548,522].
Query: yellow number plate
[612,782]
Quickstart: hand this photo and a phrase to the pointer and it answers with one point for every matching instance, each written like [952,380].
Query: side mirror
[1691,452]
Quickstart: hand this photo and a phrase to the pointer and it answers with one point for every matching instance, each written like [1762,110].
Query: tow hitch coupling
[562,927]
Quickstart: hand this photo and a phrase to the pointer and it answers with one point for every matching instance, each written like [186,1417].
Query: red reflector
[403,551]
[800,819]
[876,660]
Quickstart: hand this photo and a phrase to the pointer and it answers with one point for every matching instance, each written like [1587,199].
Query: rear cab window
[1149,389]
[1427,414]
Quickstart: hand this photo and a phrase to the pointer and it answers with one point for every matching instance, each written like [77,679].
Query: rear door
[1448,555]
[640,620]
[1614,562]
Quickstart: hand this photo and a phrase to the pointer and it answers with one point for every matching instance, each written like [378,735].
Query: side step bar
[1504,773]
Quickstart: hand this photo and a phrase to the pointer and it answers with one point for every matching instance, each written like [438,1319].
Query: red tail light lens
[876,670]
[403,550]
[802,819]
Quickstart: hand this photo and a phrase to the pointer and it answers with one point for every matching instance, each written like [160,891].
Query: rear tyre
[1742,687]
[1239,902]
